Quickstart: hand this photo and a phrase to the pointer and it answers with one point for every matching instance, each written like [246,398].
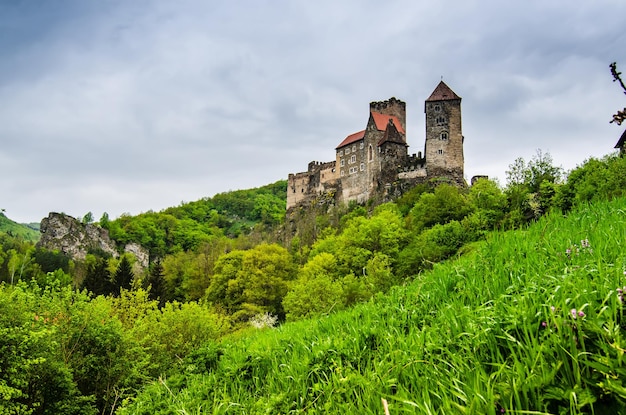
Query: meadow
[524,322]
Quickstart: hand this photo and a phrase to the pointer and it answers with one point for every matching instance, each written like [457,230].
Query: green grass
[488,333]
[27,232]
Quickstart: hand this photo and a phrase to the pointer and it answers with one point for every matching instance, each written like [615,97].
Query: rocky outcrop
[141,254]
[76,239]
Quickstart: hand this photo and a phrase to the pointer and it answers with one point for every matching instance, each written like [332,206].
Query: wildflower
[552,308]
[581,313]
[574,313]
[568,252]
[544,324]
[585,243]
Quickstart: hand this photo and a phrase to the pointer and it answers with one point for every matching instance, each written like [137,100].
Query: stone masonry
[374,164]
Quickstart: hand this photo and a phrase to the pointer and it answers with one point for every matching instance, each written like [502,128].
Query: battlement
[317,166]
[381,106]
[374,164]
[392,106]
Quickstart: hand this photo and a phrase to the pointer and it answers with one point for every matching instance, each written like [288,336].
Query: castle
[375,163]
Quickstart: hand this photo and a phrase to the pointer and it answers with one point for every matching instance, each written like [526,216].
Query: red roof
[442,93]
[352,138]
[382,120]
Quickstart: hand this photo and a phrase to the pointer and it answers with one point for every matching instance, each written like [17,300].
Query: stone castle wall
[377,166]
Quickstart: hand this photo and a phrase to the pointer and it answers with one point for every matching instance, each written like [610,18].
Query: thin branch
[617,75]
[620,117]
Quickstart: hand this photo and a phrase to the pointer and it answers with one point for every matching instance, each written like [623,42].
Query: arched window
[444,136]
[370,153]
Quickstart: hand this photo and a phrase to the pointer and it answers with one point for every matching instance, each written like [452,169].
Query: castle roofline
[381,121]
[392,136]
[351,139]
[443,93]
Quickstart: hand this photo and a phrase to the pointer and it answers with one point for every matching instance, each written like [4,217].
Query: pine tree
[98,278]
[156,280]
[124,276]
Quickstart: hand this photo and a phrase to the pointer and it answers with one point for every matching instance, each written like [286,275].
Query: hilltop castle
[375,164]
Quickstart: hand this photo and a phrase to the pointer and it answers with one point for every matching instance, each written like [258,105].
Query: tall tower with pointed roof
[444,136]
[373,165]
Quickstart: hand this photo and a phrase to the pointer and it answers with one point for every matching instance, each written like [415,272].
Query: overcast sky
[127,106]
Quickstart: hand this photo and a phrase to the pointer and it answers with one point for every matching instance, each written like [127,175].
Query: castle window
[440,151]
[340,153]
[370,153]
[353,170]
[354,148]
[444,136]
[352,159]
[362,166]
[342,173]
[437,108]
[348,150]
[440,120]
[342,162]
[361,145]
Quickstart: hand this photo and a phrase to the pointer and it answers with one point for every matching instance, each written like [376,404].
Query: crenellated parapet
[374,164]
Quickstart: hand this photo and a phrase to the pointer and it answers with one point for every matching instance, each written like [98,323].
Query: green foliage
[317,289]
[531,188]
[445,204]
[250,282]
[124,276]
[18,230]
[595,179]
[529,322]
[97,279]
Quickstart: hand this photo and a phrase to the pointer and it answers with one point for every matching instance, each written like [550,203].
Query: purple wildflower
[581,313]
[574,313]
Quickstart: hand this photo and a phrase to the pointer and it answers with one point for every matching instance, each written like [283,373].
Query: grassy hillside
[525,322]
[12,228]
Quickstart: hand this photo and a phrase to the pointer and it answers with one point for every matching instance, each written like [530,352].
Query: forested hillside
[528,322]
[28,232]
[103,328]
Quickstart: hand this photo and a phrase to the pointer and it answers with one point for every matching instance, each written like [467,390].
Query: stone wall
[378,167]
[444,138]
[392,106]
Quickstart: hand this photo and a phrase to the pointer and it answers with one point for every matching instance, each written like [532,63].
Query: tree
[98,279]
[88,218]
[124,276]
[445,204]
[105,221]
[620,116]
[250,282]
[156,280]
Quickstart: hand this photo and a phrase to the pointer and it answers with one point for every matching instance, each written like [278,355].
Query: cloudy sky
[128,106]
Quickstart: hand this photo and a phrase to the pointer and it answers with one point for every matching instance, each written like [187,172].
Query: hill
[28,232]
[528,321]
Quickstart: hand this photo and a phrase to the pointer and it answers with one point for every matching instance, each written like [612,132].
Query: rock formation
[76,239]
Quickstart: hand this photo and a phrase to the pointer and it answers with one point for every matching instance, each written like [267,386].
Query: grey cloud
[129,106]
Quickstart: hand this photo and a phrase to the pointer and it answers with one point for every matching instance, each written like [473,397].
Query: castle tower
[444,137]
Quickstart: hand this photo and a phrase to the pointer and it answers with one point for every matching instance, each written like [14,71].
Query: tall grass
[528,322]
